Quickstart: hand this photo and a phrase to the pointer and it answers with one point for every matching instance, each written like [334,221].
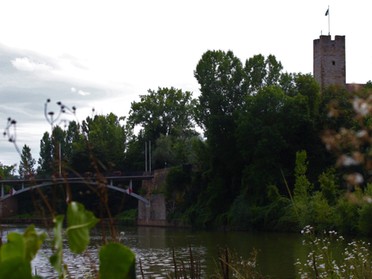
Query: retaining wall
[155,214]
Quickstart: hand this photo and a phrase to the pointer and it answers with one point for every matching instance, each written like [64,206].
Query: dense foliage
[266,159]
[165,119]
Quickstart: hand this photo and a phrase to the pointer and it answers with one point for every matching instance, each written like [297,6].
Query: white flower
[360,107]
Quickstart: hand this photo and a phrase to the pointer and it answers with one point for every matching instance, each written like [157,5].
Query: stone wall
[154,214]
[155,184]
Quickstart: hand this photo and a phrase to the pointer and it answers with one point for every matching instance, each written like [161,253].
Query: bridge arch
[111,186]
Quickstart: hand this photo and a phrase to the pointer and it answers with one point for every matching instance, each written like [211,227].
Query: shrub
[277,213]
[321,214]
[346,216]
[365,218]
[328,185]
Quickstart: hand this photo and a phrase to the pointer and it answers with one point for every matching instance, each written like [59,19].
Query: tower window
[333,62]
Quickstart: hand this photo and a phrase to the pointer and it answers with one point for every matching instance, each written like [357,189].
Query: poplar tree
[27,163]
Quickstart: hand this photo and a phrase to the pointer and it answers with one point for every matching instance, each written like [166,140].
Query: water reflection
[153,248]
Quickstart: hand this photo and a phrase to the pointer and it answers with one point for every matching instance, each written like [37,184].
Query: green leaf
[116,261]
[13,262]
[79,222]
[33,242]
[15,268]
[14,248]
[56,259]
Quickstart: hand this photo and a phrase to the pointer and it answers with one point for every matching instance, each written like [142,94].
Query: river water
[277,252]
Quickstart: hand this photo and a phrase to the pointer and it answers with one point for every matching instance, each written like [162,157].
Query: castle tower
[329,61]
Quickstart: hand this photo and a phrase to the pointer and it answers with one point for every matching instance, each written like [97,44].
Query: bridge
[19,186]
[150,212]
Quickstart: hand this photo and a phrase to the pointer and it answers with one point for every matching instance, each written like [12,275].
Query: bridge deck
[81,179]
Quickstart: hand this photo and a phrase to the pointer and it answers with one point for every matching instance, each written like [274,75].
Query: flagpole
[329,22]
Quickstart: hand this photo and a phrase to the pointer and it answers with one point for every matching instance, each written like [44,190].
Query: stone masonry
[329,61]
[155,214]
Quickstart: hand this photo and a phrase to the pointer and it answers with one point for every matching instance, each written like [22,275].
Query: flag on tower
[327,12]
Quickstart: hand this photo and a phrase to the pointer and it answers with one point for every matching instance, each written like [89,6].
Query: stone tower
[329,61]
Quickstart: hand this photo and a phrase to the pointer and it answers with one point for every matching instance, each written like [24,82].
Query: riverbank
[115,221]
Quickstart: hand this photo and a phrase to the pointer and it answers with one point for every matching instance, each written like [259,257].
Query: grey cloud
[28,65]
[26,84]
[22,85]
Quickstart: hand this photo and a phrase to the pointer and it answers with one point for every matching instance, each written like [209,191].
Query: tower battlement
[329,61]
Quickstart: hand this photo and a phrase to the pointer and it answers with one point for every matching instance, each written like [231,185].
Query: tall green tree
[45,162]
[167,111]
[166,120]
[306,86]
[255,118]
[172,151]
[72,140]
[261,71]
[52,152]
[221,78]
[104,143]
[134,153]
[27,164]
[270,131]
[225,84]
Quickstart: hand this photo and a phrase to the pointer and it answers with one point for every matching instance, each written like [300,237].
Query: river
[277,252]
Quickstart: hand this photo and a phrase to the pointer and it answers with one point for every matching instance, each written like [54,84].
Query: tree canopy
[167,111]
[256,119]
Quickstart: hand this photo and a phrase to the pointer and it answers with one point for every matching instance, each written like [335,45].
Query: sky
[102,55]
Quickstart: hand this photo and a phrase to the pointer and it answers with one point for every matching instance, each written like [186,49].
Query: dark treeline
[257,149]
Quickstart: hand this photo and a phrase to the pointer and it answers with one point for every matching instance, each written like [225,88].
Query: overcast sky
[104,54]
